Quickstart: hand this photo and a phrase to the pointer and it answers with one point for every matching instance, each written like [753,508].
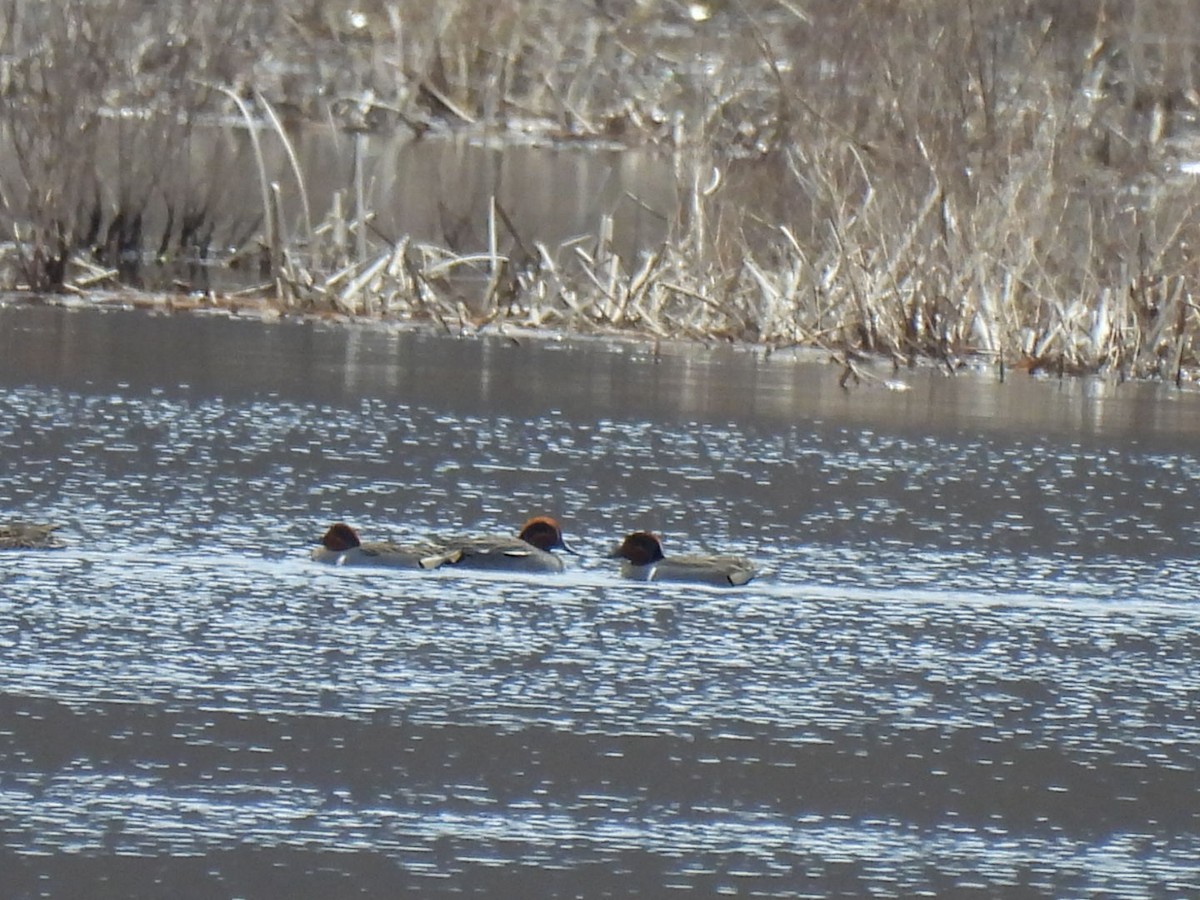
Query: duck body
[29,536]
[643,560]
[341,546]
[528,552]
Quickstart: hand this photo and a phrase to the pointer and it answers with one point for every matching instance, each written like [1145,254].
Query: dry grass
[928,179]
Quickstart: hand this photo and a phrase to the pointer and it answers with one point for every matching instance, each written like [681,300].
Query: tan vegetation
[928,179]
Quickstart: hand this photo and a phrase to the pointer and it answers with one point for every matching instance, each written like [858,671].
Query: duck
[341,546]
[29,536]
[644,560]
[529,551]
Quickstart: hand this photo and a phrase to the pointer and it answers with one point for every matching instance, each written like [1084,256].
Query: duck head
[639,547]
[340,537]
[545,534]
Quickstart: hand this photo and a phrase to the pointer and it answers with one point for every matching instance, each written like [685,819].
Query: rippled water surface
[970,667]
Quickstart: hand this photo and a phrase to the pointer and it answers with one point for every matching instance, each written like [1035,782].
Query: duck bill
[568,548]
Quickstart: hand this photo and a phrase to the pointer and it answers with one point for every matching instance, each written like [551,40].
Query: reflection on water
[968,668]
[437,190]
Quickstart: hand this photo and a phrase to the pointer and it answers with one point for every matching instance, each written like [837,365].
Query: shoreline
[853,369]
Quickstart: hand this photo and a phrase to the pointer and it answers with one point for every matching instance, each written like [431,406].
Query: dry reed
[933,179]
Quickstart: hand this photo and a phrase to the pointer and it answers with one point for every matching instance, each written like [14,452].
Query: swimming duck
[529,551]
[341,546]
[644,560]
[29,536]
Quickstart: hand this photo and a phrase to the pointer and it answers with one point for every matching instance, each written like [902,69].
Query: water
[969,668]
[438,190]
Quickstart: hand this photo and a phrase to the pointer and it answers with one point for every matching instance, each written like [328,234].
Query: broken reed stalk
[493,284]
[360,195]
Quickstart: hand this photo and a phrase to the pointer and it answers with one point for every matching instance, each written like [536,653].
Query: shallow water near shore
[968,667]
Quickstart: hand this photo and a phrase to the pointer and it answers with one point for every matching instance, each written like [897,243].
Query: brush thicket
[921,180]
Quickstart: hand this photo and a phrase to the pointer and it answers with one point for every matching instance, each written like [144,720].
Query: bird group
[641,554]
